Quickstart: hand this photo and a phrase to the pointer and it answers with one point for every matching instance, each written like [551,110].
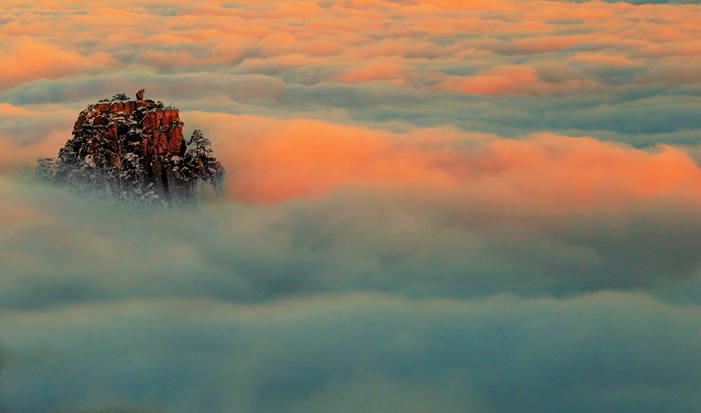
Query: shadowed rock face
[133,149]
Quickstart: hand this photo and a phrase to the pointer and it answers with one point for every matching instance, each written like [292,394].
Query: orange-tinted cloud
[373,71]
[494,82]
[14,156]
[43,132]
[507,40]
[29,60]
[491,49]
[7,109]
[273,160]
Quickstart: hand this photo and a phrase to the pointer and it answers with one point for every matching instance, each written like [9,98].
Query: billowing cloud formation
[616,70]
[27,134]
[356,352]
[434,205]
[63,250]
[28,60]
[273,160]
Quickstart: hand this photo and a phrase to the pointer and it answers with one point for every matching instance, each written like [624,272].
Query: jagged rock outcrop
[134,149]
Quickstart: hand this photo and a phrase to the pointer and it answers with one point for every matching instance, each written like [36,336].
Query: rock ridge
[134,149]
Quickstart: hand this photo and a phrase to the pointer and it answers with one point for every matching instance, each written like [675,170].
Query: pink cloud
[514,38]
[373,71]
[272,160]
[29,60]
[494,82]
[14,156]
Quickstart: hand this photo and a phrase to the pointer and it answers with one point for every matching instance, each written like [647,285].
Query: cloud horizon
[430,205]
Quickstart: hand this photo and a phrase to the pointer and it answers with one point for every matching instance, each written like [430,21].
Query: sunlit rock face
[135,150]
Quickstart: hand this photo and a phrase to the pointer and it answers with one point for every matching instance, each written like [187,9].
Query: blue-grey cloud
[353,353]
[72,251]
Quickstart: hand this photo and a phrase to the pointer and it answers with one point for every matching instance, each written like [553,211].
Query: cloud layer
[357,352]
[618,71]
[435,205]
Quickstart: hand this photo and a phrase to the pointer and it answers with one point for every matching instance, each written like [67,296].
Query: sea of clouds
[439,205]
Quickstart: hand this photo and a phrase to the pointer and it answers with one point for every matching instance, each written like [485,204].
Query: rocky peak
[134,149]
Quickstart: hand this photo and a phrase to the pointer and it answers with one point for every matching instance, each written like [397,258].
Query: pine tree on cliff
[199,151]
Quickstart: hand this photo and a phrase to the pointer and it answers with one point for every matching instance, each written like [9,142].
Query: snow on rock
[134,150]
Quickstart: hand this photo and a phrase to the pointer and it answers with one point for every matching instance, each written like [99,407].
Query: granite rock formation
[134,149]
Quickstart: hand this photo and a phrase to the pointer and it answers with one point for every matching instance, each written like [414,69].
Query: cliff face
[133,149]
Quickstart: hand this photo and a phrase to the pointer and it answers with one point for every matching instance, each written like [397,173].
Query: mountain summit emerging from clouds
[134,150]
